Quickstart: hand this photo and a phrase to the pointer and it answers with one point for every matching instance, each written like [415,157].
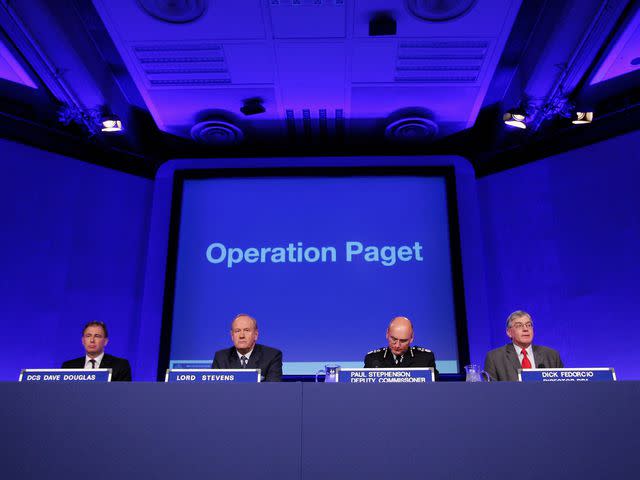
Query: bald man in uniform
[400,353]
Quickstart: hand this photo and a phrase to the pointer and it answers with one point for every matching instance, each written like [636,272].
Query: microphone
[542,366]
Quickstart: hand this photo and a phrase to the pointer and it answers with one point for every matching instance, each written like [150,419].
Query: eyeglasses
[520,326]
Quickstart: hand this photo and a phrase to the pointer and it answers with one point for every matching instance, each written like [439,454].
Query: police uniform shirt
[414,357]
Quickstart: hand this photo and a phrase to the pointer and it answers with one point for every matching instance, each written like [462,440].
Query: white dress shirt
[247,355]
[529,350]
[87,361]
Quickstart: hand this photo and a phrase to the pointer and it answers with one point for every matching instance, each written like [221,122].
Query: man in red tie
[502,364]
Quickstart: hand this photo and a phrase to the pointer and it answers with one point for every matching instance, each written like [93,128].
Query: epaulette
[377,350]
[420,349]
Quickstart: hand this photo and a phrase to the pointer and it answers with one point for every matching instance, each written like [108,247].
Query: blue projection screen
[322,260]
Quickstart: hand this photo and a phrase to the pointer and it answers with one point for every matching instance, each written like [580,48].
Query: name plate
[386,375]
[567,375]
[65,375]
[208,375]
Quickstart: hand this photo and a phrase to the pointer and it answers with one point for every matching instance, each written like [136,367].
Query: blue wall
[72,249]
[562,240]
[558,237]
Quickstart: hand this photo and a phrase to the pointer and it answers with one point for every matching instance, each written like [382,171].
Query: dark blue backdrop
[560,239]
[72,249]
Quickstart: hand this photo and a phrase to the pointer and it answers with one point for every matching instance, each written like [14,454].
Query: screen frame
[455,250]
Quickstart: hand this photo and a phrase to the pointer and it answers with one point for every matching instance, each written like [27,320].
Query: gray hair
[255,322]
[517,314]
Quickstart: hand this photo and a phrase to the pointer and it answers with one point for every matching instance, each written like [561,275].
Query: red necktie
[526,363]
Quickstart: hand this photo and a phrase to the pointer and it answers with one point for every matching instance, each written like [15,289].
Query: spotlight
[515,118]
[382,23]
[111,123]
[581,118]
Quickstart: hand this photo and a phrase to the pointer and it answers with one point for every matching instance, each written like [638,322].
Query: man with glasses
[502,364]
[94,338]
[400,353]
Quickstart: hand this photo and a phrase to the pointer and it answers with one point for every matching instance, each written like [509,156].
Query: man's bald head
[399,335]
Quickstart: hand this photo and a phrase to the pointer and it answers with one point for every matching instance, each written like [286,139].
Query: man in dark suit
[502,364]
[400,353]
[246,353]
[94,338]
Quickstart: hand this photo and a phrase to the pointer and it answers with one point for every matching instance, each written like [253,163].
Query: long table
[319,431]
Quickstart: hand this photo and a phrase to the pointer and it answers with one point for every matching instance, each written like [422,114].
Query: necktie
[526,363]
[398,360]
[243,361]
[93,363]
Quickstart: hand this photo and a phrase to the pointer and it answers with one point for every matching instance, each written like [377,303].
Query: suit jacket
[414,357]
[120,368]
[267,359]
[502,364]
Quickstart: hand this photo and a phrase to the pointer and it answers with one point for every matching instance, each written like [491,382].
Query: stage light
[581,118]
[111,123]
[515,118]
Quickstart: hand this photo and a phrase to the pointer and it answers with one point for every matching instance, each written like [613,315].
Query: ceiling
[220,78]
